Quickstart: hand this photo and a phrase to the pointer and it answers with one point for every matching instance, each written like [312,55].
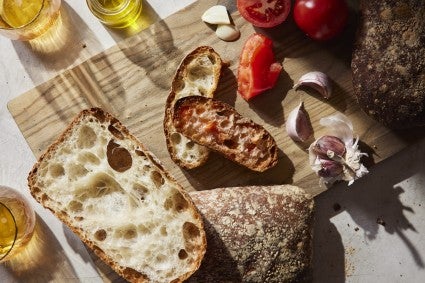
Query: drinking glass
[116,13]
[17,221]
[27,19]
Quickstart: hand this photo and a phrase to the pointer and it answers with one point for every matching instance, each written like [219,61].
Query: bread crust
[259,234]
[220,127]
[122,132]
[181,78]
[389,62]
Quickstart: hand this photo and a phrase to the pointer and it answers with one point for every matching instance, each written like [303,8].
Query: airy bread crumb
[113,193]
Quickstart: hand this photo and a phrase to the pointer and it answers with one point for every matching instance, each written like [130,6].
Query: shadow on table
[147,18]
[59,47]
[372,201]
[152,50]
[43,260]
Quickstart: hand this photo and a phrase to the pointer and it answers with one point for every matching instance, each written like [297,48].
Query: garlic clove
[227,32]
[330,168]
[298,125]
[318,81]
[327,147]
[216,15]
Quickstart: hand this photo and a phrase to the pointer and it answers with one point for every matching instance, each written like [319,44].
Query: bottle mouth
[6,26]
[5,216]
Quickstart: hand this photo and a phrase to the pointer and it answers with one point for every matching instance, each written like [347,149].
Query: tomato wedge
[258,70]
[264,13]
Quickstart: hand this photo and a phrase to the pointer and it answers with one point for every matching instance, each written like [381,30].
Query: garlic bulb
[298,125]
[336,156]
[318,81]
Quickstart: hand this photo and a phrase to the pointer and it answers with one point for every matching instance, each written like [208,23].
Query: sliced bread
[116,196]
[258,234]
[220,127]
[198,74]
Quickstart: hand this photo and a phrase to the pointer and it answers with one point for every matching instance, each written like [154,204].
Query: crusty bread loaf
[389,62]
[220,127]
[198,74]
[101,181]
[256,234]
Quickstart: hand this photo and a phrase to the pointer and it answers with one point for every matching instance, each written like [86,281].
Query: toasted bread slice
[116,196]
[198,74]
[258,234]
[220,127]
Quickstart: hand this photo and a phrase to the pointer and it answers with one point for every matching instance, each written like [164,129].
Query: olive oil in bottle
[116,13]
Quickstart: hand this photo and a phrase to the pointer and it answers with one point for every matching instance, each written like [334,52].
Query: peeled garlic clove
[227,32]
[318,81]
[330,168]
[216,15]
[298,125]
[329,146]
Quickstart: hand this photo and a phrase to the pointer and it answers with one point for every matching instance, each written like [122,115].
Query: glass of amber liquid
[27,19]
[17,221]
[116,13]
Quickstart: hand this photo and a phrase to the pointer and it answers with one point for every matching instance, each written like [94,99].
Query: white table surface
[349,244]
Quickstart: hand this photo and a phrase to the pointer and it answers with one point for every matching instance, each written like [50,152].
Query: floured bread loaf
[389,62]
[101,181]
[198,74]
[256,234]
[220,127]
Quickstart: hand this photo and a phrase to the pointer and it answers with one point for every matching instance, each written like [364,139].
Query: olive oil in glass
[17,222]
[27,19]
[116,13]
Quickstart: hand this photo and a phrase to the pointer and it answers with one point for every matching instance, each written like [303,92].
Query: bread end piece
[198,74]
[389,62]
[115,195]
[259,234]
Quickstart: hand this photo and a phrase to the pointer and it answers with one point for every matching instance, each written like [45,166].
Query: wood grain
[132,79]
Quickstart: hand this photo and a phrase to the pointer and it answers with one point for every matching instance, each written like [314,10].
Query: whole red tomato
[321,19]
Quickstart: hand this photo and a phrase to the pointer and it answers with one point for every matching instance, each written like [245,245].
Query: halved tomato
[264,13]
[258,70]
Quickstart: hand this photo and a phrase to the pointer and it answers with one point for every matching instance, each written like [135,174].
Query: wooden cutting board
[132,79]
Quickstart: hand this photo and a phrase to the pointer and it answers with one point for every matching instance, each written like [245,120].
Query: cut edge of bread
[178,207]
[198,75]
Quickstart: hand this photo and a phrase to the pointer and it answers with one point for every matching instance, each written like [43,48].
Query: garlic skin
[318,81]
[298,125]
[330,160]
